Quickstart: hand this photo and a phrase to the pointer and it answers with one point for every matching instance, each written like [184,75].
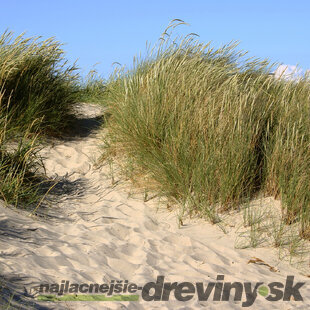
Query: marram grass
[92,88]
[36,81]
[37,90]
[19,164]
[212,128]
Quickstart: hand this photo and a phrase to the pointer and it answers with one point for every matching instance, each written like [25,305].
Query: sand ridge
[98,234]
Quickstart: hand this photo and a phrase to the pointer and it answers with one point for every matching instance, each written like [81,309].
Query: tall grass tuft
[211,127]
[19,164]
[36,81]
[92,88]
[37,90]
[288,152]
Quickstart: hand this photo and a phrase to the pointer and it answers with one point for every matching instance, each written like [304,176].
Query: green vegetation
[36,82]
[211,129]
[92,88]
[94,297]
[18,166]
[37,90]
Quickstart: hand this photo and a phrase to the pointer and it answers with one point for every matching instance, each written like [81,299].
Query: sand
[91,231]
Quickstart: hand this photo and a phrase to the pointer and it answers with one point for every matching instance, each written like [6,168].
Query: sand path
[96,233]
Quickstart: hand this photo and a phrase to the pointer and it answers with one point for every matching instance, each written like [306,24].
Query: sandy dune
[92,232]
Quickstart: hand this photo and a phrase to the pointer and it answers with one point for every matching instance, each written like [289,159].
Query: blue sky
[114,31]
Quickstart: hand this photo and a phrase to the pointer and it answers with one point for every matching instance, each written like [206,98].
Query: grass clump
[37,91]
[92,88]
[19,164]
[36,82]
[212,128]
[288,153]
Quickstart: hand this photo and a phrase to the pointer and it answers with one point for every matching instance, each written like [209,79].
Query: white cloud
[288,72]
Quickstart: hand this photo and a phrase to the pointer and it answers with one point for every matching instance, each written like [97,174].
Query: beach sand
[91,231]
